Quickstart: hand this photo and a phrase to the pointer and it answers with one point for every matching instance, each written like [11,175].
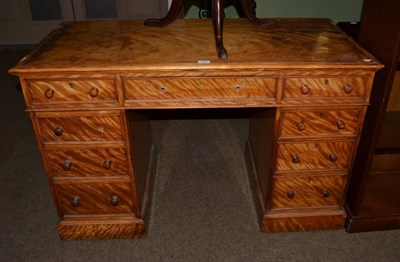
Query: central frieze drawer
[313,191]
[87,162]
[80,128]
[200,88]
[313,155]
[320,122]
[324,87]
[94,198]
[67,91]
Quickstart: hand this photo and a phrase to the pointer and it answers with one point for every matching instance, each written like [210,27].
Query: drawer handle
[305,89]
[107,164]
[340,124]
[58,131]
[295,158]
[332,157]
[49,93]
[67,165]
[347,88]
[325,193]
[114,201]
[94,92]
[290,194]
[238,89]
[75,201]
[300,125]
[163,90]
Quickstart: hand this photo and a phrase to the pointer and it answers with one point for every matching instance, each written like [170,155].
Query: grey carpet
[202,206]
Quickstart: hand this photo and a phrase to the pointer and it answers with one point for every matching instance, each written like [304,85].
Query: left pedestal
[98,162]
[89,162]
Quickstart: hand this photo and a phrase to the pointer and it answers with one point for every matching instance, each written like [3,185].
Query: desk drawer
[87,162]
[70,91]
[313,191]
[324,88]
[94,198]
[320,122]
[64,128]
[200,88]
[314,156]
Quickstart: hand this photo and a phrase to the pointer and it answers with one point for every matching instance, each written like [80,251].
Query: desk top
[129,45]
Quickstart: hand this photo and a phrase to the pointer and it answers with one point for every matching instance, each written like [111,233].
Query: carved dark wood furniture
[248,7]
[373,199]
[205,7]
[89,85]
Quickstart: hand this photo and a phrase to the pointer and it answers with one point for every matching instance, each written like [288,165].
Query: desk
[88,85]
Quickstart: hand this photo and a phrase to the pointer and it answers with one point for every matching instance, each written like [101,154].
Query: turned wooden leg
[249,10]
[218,22]
[176,7]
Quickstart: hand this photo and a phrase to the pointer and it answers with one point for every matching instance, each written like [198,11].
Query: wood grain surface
[320,122]
[308,191]
[290,43]
[324,87]
[303,222]
[87,162]
[94,198]
[81,128]
[72,90]
[101,229]
[313,155]
[200,88]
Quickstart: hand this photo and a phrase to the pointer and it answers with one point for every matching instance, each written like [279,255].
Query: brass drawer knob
[290,194]
[49,93]
[114,201]
[305,89]
[67,165]
[325,193]
[94,92]
[332,157]
[300,125]
[107,164]
[340,124]
[58,131]
[347,88]
[75,201]
[295,158]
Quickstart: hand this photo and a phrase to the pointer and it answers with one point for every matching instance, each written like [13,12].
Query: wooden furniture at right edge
[373,198]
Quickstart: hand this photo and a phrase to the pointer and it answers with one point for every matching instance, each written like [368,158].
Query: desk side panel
[143,154]
[260,155]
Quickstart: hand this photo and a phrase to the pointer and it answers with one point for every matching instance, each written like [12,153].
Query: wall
[337,10]
[16,26]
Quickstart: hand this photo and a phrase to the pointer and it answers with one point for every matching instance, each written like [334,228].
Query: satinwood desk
[87,87]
